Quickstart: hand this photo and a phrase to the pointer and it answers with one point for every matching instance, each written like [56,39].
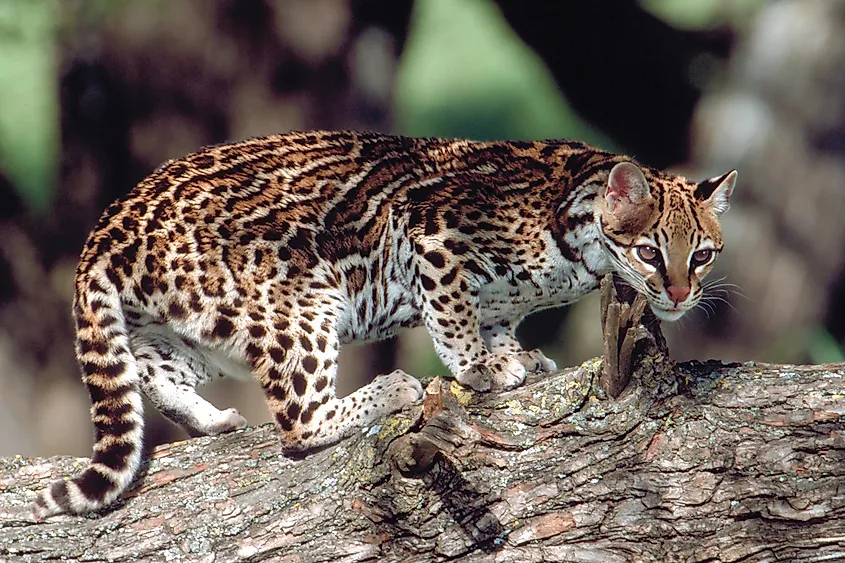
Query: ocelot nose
[677,293]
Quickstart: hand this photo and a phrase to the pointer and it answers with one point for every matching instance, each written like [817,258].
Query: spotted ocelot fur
[260,258]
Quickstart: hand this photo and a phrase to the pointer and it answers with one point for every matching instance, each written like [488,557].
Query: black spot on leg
[176,311]
[257,331]
[299,383]
[227,311]
[195,303]
[277,392]
[277,354]
[284,341]
[309,364]
[427,283]
[435,258]
[321,384]
[147,285]
[223,328]
[253,352]
[114,278]
[308,413]
[284,422]
[293,411]
[305,343]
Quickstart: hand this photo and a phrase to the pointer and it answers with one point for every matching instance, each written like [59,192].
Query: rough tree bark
[691,462]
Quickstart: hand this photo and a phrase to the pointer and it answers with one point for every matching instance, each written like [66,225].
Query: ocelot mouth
[667,314]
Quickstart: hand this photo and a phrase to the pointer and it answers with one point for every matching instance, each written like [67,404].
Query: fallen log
[631,459]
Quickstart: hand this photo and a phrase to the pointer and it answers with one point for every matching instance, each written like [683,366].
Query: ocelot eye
[701,257]
[648,254]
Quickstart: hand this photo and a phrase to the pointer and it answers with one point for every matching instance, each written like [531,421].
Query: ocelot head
[662,233]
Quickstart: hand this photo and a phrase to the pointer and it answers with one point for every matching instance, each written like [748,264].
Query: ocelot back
[262,257]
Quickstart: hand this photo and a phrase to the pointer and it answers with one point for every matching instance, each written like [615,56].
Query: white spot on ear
[719,200]
[626,184]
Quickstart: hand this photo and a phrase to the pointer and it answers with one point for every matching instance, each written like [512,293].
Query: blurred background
[94,94]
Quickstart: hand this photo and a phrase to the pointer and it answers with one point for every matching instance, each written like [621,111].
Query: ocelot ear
[716,192]
[626,188]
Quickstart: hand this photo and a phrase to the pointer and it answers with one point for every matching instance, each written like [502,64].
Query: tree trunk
[691,462]
[742,463]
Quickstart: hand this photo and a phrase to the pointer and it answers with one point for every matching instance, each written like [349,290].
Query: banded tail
[110,372]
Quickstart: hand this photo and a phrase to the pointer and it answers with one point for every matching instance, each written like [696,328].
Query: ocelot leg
[298,374]
[170,371]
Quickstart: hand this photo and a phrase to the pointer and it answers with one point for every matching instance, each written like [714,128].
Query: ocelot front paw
[497,372]
[535,360]
[396,389]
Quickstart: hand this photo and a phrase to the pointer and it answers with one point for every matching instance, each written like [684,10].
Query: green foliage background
[29,104]
[463,73]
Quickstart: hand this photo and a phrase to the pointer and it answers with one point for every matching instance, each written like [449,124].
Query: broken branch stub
[631,333]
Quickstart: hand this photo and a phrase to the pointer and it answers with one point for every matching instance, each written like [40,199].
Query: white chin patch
[665,315]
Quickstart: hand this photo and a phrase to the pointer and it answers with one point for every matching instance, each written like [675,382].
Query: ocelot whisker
[713,299]
[719,285]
